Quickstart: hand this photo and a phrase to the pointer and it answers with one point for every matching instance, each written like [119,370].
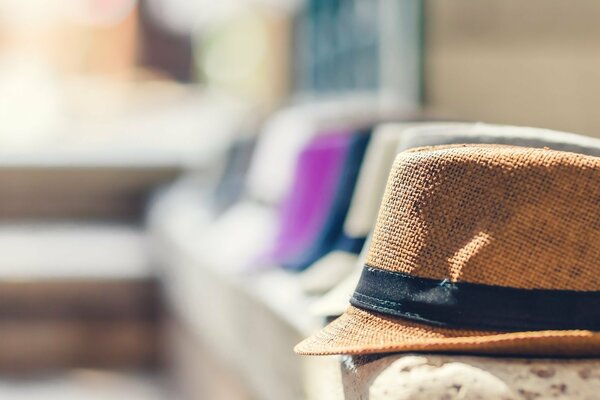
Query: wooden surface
[72,191]
[32,347]
[45,325]
[76,295]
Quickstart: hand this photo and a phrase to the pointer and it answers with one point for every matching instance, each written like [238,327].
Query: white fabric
[274,159]
[336,301]
[327,272]
[239,237]
[371,180]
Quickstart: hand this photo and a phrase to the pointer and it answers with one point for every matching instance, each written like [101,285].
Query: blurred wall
[534,62]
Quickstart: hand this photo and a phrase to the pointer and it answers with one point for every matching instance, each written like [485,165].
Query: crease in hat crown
[494,215]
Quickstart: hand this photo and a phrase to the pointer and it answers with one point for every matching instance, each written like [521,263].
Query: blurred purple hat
[305,207]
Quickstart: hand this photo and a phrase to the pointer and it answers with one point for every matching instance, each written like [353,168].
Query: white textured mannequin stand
[399,377]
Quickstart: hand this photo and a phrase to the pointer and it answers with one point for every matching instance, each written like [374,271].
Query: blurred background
[144,145]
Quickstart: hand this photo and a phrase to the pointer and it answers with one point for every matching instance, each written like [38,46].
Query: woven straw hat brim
[363,332]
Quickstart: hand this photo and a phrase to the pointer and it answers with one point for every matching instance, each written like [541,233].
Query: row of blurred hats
[304,195]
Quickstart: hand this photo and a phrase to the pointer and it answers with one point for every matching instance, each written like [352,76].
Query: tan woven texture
[495,215]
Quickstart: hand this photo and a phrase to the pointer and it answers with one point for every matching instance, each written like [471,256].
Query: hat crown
[494,215]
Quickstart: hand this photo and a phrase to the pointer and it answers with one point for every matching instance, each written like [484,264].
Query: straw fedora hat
[486,249]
